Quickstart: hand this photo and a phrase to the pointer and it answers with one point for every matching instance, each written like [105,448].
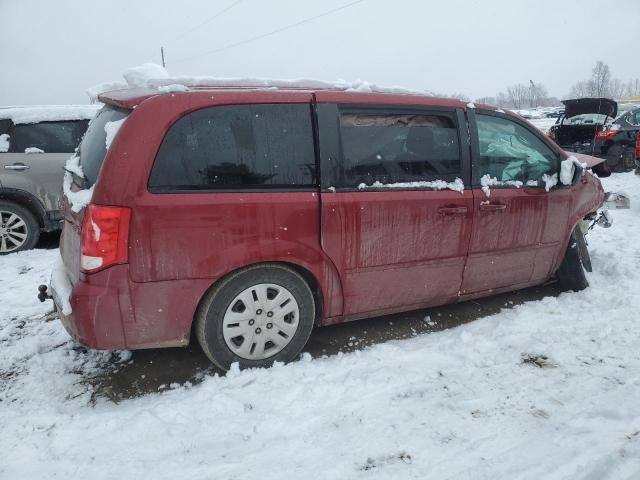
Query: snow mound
[31,150]
[156,77]
[103,87]
[140,76]
[48,113]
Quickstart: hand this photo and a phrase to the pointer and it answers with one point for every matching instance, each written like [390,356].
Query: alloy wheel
[13,231]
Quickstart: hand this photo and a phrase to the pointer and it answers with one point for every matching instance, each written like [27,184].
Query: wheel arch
[319,295]
[26,200]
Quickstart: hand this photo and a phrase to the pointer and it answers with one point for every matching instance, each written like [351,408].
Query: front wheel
[255,317]
[571,274]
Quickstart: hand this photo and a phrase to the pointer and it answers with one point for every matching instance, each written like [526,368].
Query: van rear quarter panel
[181,243]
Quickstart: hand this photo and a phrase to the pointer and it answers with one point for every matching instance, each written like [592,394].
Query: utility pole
[534,99]
[162,55]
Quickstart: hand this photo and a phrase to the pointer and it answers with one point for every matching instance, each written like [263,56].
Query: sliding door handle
[452,210]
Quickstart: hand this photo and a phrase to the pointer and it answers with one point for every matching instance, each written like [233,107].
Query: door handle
[492,207]
[17,166]
[452,210]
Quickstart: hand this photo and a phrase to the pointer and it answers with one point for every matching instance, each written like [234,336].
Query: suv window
[510,152]
[50,137]
[398,147]
[237,146]
[94,144]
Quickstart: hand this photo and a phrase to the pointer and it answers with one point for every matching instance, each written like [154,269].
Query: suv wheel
[255,317]
[19,229]
[628,160]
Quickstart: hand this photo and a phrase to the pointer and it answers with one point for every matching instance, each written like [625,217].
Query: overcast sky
[53,50]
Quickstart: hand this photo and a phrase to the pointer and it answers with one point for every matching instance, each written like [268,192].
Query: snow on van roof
[48,113]
[155,77]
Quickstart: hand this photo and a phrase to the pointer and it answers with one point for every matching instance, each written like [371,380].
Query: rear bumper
[107,311]
[93,316]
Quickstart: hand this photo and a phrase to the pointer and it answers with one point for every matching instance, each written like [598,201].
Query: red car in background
[251,215]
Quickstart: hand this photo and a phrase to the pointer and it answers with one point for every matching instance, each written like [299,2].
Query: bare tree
[536,94]
[600,79]
[517,95]
[580,89]
[632,88]
[616,88]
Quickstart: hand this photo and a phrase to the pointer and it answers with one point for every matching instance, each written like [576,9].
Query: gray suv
[35,143]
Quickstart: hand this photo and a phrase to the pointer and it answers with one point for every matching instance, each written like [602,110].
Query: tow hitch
[43,295]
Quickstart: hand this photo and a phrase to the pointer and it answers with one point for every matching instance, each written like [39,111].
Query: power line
[216,15]
[268,34]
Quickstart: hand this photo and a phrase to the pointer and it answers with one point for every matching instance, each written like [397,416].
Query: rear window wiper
[78,181]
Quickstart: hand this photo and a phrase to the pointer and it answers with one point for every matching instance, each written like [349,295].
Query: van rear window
[93,147]
[237,146]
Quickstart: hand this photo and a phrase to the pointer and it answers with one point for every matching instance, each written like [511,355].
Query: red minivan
[251,215]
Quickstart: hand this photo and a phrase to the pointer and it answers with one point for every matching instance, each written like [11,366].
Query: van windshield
[93,147]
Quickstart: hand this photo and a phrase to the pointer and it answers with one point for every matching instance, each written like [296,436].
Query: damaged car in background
[619,142]
[587,127]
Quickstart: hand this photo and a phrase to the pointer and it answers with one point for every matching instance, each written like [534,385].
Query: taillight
[638,145]
[105,237]
[607,134]
[551,134]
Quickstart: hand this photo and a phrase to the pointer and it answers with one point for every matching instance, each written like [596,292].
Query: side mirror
[578,171]
[571,171]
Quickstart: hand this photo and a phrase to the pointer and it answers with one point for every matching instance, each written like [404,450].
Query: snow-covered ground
[545,390]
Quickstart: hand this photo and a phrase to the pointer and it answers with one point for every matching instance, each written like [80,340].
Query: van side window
[398,147]
[237,146]
[511,153]
[50,137]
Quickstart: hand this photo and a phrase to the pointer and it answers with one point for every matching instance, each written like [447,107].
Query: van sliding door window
[398,147]
[237,146]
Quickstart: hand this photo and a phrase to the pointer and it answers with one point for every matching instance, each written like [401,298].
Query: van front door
[519,218]
[396,218]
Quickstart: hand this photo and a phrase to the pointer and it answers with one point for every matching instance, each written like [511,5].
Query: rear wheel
[255,317]
[19,229]
[628,160]
[571,274]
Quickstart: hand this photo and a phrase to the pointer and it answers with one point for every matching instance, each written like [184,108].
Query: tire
[628,160]
[19,229]
[242,319]
[571,274]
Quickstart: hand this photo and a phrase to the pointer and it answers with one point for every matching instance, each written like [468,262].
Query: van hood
[579,106]
[590,160]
